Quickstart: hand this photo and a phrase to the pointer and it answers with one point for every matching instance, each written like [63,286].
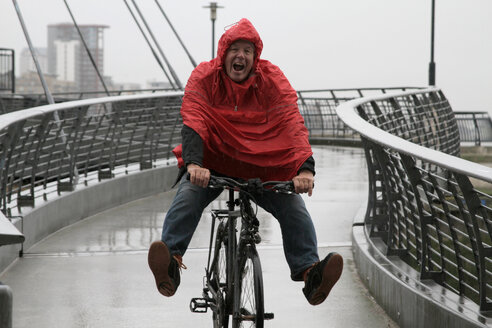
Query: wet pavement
[95,274]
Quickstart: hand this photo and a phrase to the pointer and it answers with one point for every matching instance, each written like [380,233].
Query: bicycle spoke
[222,265]
[248,303]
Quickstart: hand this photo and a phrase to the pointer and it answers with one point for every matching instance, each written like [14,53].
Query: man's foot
[321,278]
[165,268]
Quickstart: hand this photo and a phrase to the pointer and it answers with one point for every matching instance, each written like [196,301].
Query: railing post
[483,254]
[5,306]
[321,118]
[379,216]
[377,210]
[477,130]
[419,190]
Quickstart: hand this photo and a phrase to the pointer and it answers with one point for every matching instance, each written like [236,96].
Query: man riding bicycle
[240,119]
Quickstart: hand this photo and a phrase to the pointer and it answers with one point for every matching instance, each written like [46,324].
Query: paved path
[94,273]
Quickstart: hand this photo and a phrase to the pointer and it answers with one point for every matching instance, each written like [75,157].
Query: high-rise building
[68,59]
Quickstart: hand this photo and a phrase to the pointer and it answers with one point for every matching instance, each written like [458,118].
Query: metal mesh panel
[321,119]
[318,107]
[474,127]
[56,150]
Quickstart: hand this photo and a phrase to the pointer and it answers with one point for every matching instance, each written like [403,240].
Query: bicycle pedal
[268,316]
[198,305]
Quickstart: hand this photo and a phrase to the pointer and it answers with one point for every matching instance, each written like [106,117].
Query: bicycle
[233,282]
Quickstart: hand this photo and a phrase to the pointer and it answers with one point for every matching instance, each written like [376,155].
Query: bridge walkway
[94,273]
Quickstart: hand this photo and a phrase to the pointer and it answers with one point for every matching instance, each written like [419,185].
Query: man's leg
[300,246]
[184,214]
[165,256]
[298,233]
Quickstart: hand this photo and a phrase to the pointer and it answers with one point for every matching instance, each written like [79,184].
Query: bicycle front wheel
[248,291]
[220,279]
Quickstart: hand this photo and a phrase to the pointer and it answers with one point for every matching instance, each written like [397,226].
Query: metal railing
[14,102]
[430,208]
[311,102]
[46,149]
[105,122]
[475,127]
[7,69]
[43,153]
[318,107]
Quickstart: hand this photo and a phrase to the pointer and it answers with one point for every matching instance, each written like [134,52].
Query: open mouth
[238,67]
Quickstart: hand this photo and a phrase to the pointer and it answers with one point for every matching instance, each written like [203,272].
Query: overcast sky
[319,44]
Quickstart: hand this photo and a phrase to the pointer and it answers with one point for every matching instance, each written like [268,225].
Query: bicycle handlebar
[251,185]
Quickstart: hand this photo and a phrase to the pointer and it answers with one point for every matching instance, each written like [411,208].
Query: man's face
[239,60]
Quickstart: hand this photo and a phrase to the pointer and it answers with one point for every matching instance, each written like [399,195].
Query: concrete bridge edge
[407,300]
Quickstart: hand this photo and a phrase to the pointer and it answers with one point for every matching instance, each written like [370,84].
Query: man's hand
[198,175]
[304,182]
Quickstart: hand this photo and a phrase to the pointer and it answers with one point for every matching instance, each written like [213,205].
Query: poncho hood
[251,129]
[242,30]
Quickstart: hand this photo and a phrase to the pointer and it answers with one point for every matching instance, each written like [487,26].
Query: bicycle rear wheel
[248,291]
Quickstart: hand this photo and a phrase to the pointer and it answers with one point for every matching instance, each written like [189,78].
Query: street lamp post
[432,65]
[213,16]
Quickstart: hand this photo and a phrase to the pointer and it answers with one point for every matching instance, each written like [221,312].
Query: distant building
[65,53]
[26,63]
[131,88]
[29,83]
[158,85]
[68,59]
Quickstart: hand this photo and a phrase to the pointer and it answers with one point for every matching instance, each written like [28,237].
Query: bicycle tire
[220,279]
[248,291]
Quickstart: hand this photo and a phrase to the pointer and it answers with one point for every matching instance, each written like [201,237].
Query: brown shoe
[322,277]
[166,268]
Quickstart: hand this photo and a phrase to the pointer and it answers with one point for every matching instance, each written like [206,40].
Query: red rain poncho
[251,129]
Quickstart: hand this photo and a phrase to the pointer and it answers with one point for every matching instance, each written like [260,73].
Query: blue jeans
[298,234]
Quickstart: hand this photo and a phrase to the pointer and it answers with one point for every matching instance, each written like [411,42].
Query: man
[241,120]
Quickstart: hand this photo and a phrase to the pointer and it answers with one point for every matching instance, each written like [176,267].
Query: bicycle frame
[224,296]
[226,230]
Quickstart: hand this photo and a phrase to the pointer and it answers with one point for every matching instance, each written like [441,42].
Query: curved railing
[474,127]
[47,149]
[318,107]
[18,101]
[426,205]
